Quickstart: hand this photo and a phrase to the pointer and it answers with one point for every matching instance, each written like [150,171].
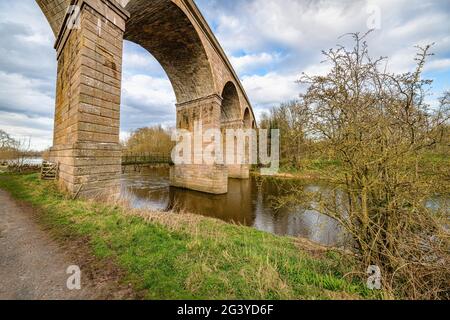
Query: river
[35,161]
[247,203]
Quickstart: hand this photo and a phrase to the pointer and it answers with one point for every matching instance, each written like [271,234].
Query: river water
[26,161]
[247,203]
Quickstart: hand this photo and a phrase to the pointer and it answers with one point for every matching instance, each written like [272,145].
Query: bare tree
[6,141]
[378,127]
[8,145]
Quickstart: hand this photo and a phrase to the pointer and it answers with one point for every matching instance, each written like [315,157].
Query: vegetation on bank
[430,163]
[181,256]
[386,153]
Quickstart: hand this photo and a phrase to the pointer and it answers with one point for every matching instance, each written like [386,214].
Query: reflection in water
[246,203]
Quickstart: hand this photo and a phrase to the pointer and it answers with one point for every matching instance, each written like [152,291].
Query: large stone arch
[87,112]
[55,12]
[167,33]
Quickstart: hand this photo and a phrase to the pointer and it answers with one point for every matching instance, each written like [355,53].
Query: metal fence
[145,158]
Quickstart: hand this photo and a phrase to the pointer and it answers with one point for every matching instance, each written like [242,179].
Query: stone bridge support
[86,132]
[236,170]
[195,176]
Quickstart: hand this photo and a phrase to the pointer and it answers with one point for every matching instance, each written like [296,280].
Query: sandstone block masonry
[236,171]
[204,178]
[87,114]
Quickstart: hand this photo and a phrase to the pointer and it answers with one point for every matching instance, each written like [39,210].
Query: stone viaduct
[89,41]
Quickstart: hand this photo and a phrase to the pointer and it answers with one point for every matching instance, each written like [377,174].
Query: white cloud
[438,64]
[37,130]
[137,60]
[271,89]
[146,101]
[256,24]
[25,96]
[319,69]
[28,14]
[248,63]
[124,135]
[147,91]
[302,27]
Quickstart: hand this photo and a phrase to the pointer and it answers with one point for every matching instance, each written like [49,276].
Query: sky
[269,42]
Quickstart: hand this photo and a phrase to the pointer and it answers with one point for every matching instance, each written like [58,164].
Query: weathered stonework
[231,118]
[200,176]
[235,171]
[87,114]
[55,11]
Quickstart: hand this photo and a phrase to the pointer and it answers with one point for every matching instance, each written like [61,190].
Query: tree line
[151,140]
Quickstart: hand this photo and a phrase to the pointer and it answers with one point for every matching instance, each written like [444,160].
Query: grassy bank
[430,163]
[170,256]
[307,169]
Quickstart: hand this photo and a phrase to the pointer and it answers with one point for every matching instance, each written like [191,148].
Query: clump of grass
[182,256]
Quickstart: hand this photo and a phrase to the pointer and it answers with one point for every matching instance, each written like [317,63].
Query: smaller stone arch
[232,118]
[231,106]
[248,121]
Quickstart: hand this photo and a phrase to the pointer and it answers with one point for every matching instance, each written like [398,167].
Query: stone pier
[87,114]
[238,170]
[198,175]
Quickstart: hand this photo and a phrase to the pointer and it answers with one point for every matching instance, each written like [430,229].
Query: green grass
[308,169]
[430,163]
[170,256]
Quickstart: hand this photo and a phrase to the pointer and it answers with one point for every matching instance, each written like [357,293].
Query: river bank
[299,175]
[249,202]
[429,163]
[182,256]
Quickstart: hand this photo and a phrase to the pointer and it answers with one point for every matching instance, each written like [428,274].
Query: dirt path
[33,266]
